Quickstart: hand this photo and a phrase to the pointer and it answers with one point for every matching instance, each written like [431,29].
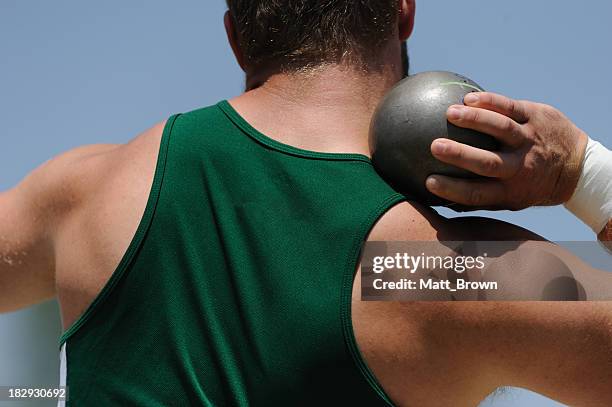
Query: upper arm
[561,349]
[30,214]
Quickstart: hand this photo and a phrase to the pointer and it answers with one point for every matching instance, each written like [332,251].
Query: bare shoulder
[461,351]
[49,222]
[111,185]
[396,338]
[65,182]
[412,221]
[97,162]
[132,165]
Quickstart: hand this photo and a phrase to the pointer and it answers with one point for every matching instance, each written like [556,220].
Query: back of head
[298,34]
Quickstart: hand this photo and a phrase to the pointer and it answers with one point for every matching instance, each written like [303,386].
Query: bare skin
[539,163]
[531,134]
[64,229]
[457,353]
[66,226]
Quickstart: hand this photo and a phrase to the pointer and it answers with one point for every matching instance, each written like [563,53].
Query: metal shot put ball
[408,119]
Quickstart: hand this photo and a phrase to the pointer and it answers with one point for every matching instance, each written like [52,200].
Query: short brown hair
[294,34]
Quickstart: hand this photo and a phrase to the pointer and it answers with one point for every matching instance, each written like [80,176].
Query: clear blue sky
[74,73]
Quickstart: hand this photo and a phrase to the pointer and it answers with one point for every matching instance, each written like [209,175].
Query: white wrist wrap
[592,200]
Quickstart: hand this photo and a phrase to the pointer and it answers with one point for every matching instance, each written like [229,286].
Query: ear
[232,37]
[406,18]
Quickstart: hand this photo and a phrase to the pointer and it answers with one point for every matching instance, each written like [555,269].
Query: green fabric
[236,289]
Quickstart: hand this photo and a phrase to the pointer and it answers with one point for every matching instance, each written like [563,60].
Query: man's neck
[327,109]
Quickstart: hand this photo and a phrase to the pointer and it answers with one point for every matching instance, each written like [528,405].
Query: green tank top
[236,288]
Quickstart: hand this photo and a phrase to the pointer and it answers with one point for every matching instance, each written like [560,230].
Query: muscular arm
[30,215]
[456,353]
[560,349]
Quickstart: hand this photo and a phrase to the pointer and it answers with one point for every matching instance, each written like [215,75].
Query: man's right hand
[539,162]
